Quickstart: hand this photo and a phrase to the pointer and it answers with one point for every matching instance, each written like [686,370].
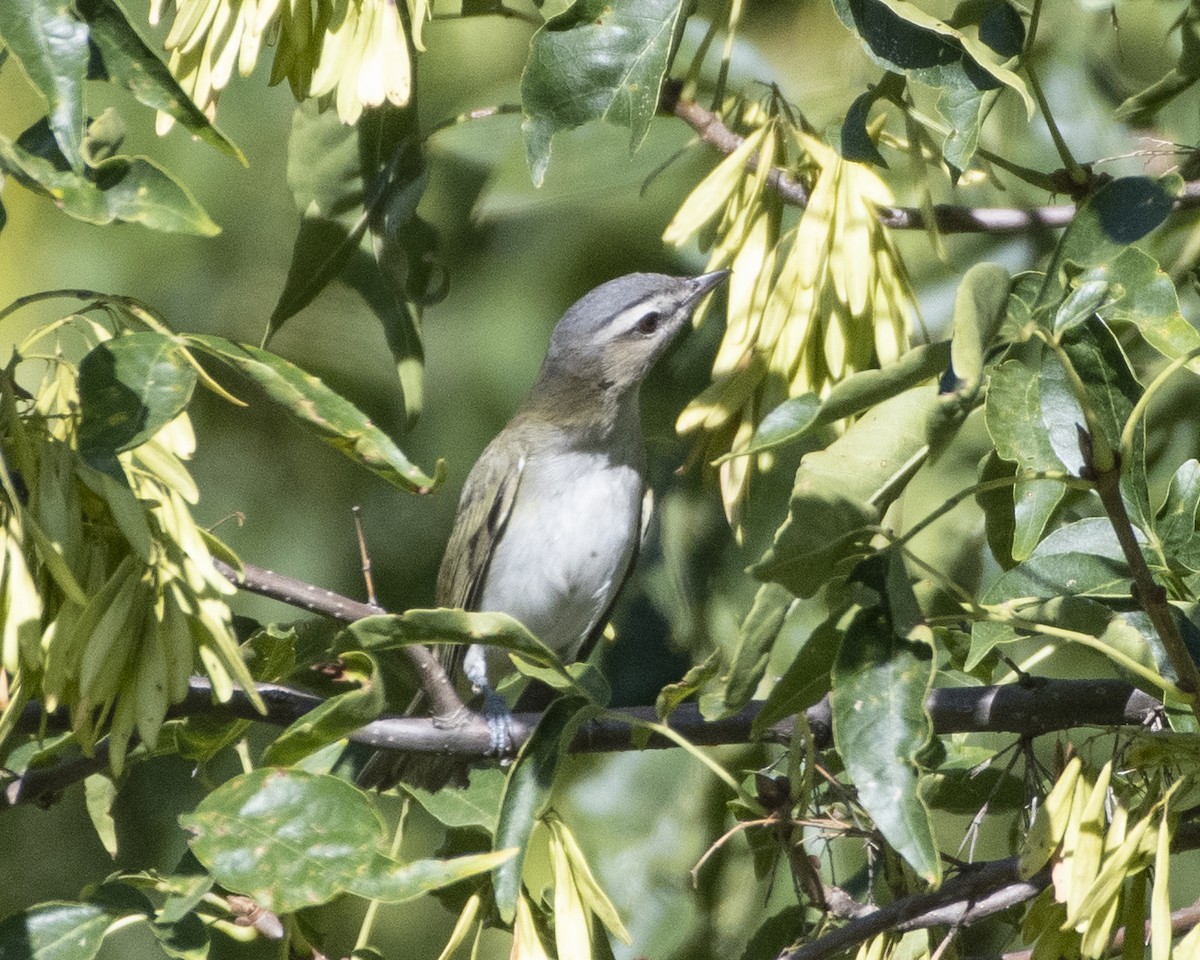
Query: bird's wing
[483,511]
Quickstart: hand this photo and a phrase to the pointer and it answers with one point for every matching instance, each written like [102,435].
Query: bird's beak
[703,284]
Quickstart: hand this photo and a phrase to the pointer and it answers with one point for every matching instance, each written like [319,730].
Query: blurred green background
[516,257]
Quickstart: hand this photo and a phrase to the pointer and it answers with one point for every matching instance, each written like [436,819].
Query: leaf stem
[368,924]
[1143,404]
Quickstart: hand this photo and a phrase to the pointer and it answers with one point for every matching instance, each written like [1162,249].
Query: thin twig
[1150,595]
[433,679]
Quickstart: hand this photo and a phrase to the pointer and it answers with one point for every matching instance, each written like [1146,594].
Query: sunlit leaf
[115,188]
[51,45]
[292,839]
[333,418]
[126,58]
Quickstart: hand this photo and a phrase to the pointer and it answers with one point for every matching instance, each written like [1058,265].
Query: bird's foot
[499,720]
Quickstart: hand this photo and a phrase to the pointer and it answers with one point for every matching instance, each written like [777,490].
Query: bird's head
[611,336]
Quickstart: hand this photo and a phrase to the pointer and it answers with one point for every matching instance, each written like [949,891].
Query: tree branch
[438,687]
[1026,709]
[948,218]
[978,892]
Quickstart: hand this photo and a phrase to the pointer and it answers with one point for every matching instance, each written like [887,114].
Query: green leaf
[432,627]
[291,839]
[478,805]
[797,416]
[698,676]
[129,61]
[903,38]
[130,387]
[806,680]
[881,678]
[1175,524]
[357,188]
[55,931]
[1139,109]
[331,417]
[1013,414]
[841,492]
[598,60]
[51,45]
[755,640]
[979,310]
[111,188]
[1141,294]
[100,793]
[335,718]
[185,939]
[1118,214]
[527,793]
[393,882]
[1111,390]
[1079,559]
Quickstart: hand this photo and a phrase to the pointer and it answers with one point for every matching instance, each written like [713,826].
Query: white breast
[566,547]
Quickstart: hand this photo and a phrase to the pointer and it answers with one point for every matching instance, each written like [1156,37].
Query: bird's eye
[649,322]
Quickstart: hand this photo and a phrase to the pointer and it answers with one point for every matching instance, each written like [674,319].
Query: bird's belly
[565,550]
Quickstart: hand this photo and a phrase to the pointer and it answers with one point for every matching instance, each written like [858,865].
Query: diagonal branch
[437,685]
[948,218]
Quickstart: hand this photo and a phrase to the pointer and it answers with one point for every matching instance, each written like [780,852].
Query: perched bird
[550,518]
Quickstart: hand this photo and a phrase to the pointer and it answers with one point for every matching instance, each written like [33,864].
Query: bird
[550,518]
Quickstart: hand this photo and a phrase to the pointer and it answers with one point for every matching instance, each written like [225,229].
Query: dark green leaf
[183,894]
[881,678]
[698,676]
[755,640]
[1116,215]
[1175,525]
[55,931]
[527,793]
[335,718]
[855,142]
[794,418]
[997,506]
[52,46]
[129,61]
[333,418]
[1111,391]
[116,188]
[390,631]
[130,387]
[841,492]
[291,839]
[600,59]
[185,939]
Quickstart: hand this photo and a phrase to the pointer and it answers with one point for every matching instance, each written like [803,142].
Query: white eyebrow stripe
[629,318]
